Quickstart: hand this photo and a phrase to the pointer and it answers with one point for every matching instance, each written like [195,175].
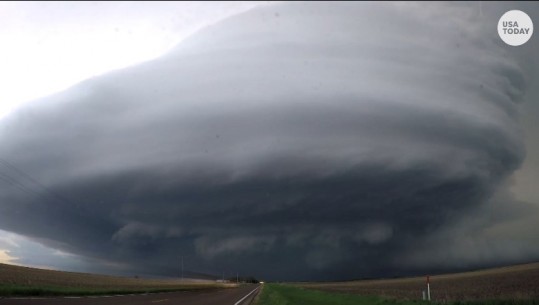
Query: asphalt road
[228,296]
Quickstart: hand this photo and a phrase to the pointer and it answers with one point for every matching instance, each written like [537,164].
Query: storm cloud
[293,141]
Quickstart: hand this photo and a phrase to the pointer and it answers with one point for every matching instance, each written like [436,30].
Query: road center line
[238,302]
[157,301]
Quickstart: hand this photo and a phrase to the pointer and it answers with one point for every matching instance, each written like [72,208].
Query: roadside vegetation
[24,281]
[280,294]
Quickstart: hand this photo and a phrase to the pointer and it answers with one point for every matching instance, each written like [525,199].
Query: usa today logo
[515,28]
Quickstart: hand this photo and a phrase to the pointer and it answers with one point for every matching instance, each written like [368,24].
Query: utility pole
[428,287]
[182,267]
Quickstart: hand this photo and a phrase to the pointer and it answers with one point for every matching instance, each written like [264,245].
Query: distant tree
[251,279]
[243,279]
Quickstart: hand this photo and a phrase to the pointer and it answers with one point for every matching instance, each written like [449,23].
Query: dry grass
[519,282]
[21,279]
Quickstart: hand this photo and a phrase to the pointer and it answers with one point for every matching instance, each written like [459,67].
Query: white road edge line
[238,302]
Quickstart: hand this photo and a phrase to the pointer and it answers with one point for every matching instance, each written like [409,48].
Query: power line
[16,184]
[50,192]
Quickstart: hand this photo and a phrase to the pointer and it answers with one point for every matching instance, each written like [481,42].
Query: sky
[288,141]
[83,40]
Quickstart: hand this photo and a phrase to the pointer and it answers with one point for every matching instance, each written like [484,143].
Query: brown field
[16,276]
[520,282]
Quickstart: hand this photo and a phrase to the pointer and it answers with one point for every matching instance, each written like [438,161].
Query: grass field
[520,282]
[279,294]
[16,280]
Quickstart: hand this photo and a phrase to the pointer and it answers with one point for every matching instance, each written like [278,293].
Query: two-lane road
[229,296]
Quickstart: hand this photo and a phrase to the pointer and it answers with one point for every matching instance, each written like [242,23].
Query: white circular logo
[515,28]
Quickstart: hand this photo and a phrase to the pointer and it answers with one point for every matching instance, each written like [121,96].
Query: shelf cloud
[293,141]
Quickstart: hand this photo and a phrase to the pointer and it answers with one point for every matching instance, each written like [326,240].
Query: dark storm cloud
[297,140]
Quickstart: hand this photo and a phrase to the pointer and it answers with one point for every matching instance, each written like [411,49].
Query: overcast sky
[287,141]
